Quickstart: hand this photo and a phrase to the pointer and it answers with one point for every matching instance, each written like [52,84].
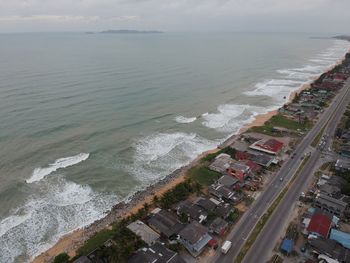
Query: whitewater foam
[61,208]
[158,155]
[182,119]
[40,173]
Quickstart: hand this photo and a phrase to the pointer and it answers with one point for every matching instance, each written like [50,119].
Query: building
[218,226]
[194,237]
[261,159]
[228,181]
[269,146]
[330,190]
[254,167]
[287,246]
[341,237]
[224,193]
[345,150]
[157,253]
[330,204]
[146,233]
[320,225]
[221,163]
[206,203]
[239,170]
[224,210]
[193,211]
[82,259]
[342,165]
[165,223]
[329,248]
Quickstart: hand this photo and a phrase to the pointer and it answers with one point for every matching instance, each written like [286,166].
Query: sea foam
[182,119]
[48,215]
[39,173]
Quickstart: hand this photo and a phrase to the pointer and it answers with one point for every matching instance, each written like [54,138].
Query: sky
[328,16]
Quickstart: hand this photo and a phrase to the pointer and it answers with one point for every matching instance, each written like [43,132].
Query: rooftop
[146,233]
[271,146]
[193,232]
[166,223]
[320,224]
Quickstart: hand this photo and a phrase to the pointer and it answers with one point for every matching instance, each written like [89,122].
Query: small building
[218,226]
[221,163]
[269,146]
[330,204]
[228,181]
[261,159]
[206,203]
[82,259]
[165,223]
[287,246]
[341,237]
[194,237]
[224,210]
[157,253]
[342,165]
[146,233]
[224,193]
[345,150]
[254,167]
[329,248]
[320,225]
[330,190]
[193,211]
[239,170]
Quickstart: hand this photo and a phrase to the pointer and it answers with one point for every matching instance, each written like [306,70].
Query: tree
[61,258]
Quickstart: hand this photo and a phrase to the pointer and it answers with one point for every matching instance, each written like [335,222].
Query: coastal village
[189,222]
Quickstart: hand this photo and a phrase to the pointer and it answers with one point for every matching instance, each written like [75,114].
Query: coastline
[70,242]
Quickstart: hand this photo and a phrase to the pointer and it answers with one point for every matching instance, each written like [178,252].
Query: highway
[270,233]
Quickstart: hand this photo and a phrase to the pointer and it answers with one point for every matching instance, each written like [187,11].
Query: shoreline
[70,242]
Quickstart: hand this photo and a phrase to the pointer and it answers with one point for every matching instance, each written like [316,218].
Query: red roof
[212,242]
[320,224]
[271,145]
[253,166]
[239,155]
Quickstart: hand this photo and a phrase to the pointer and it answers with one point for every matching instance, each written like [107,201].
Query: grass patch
[280,121]
[318,137]
[265,217]
[203,175]
[95,241]
[211,156]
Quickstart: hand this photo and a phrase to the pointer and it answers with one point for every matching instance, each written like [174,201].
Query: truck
[226,247]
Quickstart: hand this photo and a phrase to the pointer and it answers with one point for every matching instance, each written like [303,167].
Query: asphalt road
[270,233]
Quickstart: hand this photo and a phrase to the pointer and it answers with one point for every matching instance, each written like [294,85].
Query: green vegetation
[280,121]
[203,175]
[61,258]
[233,216]
[318,136]
[276,259]
[95,241]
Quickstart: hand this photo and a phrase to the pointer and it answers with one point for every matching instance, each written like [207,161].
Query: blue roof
[287,245]
[341,237]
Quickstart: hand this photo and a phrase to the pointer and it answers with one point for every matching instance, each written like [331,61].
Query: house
[157,253]
[165,223]
[261,159]
[320,225]
[345,150]
[194,237]
[218,226]
[206,203]
[254,167]
[239,170]
[228,181]
[146,233]
[193,211]
[330,204]
[224,210]
[341,237]
[329,248]
[269,146]
[224,193]
[342,166]
[221,163]
[330,190]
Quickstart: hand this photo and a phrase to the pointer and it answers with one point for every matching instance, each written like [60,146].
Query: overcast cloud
[176,15]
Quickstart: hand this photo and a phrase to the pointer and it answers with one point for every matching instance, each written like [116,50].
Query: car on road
[281,179]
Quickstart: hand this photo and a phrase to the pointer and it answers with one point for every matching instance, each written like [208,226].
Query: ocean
[88,119]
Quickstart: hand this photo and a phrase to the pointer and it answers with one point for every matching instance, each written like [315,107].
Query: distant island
[126,31]
[343,37]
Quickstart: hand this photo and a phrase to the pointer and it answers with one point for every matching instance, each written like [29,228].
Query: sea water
[88,119]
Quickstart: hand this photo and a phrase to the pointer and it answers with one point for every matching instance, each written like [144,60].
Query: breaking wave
[48,215]
[182,119]
[40,173]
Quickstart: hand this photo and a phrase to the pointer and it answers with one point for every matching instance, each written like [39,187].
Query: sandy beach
[72,241]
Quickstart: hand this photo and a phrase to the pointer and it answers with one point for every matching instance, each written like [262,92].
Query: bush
[61,258]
